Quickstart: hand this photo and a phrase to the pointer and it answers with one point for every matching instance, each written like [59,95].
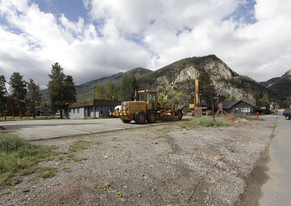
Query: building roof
[96,102]
[230,104]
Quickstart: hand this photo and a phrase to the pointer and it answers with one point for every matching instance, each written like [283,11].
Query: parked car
[287,113]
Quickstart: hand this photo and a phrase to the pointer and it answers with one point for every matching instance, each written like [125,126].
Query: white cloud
[123,34]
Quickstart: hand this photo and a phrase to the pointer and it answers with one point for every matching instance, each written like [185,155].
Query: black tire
[179,114]
[152,117]
[287,117]
[140,117]
[126,121]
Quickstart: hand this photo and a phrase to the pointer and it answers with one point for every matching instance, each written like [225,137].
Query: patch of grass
[79,145]
[165,129]
[66,169]
[47,172]
[18,158]
[207,122]
[79,159]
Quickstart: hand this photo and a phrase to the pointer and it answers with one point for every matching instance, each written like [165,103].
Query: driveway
[33,130]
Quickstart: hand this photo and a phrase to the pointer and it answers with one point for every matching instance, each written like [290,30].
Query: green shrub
[18,157]
[208,122]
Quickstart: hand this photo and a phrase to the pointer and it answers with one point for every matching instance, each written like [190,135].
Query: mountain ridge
[175,80]
[280,85]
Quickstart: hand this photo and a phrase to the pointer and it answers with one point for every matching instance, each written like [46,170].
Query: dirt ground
[167,164]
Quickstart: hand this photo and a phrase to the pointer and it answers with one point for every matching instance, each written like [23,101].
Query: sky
[92,39]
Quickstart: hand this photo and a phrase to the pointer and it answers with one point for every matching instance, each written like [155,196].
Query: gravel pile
[165,164]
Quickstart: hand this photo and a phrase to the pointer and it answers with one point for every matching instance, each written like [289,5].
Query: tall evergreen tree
[206,88]
[18,91]
[33,97]
[127,88]
[3,95]
[70,89]
[61,89]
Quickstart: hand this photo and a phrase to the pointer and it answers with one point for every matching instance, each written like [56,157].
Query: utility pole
[94,92]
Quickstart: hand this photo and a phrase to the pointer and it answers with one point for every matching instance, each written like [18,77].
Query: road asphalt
[33,130]
[277,190]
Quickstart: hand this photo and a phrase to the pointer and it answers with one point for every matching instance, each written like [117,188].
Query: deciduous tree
[99,91]
[110,93]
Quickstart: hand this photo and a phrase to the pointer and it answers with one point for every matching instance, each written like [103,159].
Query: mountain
[176,81]
[280,85]
[85,91]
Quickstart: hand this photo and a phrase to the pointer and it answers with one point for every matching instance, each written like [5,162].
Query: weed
[165,129]
[207,122]
[107,188]
[66,169]
[79,159]
[79,145]
[161,136]
[18,158]
[47,172]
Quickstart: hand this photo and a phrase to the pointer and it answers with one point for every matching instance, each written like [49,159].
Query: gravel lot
[159,165]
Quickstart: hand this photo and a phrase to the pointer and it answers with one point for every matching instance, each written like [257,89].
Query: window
[245,110]
[153,97]
[143,96]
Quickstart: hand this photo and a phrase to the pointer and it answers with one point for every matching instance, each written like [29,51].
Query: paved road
[44,129]
[277,190]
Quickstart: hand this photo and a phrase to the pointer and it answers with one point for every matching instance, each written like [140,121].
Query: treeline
[126,91]
[23,97]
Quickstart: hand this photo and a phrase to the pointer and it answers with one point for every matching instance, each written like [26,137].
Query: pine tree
[69,90]
[127,88]
[3,96]
[206,88]
[61,89]
[33,97]
[18,91]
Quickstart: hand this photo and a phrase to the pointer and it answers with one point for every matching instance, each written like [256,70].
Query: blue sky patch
[72,9]
[244,13]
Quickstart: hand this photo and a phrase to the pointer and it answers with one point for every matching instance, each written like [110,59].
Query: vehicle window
[143,96]
[153,97]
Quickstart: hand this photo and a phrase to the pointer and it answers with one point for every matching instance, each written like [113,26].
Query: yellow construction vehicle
[147,109]
[196,107]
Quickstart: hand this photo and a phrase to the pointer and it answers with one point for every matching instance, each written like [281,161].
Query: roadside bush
[208,122]
[18,157]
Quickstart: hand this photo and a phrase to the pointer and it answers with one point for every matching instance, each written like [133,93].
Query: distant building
[238,107]
[96,108]
[43,111]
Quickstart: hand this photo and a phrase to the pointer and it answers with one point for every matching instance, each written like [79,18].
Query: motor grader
[147,108]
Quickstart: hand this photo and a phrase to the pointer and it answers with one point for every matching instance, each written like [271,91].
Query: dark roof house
[239,106]
[44,111]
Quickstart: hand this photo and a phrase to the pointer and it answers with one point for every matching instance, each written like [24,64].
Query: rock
[123,200]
